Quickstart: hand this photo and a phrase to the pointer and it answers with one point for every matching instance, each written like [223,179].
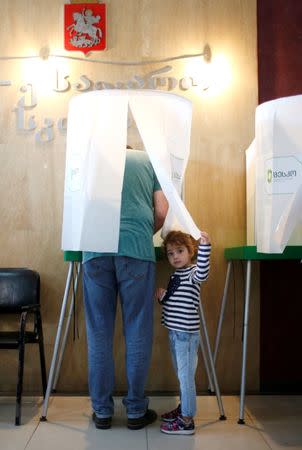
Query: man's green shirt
[137,214]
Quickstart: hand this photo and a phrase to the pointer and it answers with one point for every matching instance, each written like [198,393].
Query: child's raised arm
[201,272]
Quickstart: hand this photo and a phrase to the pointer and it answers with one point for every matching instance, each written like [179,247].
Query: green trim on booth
[249,252]
[73,256]
[77,256]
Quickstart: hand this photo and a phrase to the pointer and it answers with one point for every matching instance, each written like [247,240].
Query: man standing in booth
[130,273]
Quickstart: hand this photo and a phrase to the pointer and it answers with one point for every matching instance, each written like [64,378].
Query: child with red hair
[180,315]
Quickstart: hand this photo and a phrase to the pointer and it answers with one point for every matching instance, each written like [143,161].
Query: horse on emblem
[83,32]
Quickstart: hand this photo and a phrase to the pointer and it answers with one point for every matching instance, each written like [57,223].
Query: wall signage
[25,108]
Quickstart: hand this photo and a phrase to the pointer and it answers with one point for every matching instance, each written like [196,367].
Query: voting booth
[274,203]
[274,176]
[95,162]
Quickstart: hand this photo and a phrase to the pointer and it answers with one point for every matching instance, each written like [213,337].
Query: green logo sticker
[269,175]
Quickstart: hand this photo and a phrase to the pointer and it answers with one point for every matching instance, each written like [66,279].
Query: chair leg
[20,368]
[42,354]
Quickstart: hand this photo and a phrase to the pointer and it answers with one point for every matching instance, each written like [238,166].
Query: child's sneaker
[178,426]
[171,415]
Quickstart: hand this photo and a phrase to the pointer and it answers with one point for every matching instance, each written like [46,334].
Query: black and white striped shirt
[181,309]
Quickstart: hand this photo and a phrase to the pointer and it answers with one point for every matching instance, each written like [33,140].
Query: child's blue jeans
[184,351]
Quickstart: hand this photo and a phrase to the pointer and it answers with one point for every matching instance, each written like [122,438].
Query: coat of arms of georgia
[85,27]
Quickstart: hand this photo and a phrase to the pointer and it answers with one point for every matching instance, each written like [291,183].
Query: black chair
[20,296]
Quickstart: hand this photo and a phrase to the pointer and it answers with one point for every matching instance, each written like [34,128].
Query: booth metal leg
[57,341]
[206,364]
[211,361]
[67,326]
[222,310]
[244,344]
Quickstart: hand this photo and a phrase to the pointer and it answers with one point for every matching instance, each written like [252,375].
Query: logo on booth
[85,27]
[283,174]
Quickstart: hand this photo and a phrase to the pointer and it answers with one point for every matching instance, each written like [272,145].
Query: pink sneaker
[178,426]
[171,415]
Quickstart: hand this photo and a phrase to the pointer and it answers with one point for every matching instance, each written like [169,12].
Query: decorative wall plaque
[85,27]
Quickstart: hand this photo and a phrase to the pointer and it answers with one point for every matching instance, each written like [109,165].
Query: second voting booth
[274,203]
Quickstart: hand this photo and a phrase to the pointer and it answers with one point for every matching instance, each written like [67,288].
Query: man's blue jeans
[184,351]
[134,280]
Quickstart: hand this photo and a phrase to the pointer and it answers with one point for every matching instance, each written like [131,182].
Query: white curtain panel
[164,123]
[95,161]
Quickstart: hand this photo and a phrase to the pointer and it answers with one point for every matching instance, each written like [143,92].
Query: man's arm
[161,206]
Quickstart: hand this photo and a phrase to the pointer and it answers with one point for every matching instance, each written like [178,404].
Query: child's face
[179,256]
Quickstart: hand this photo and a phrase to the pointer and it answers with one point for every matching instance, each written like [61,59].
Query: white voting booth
[274,176]
[274,202]
[95,160]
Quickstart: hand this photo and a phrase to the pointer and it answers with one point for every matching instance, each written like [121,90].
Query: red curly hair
[180,238]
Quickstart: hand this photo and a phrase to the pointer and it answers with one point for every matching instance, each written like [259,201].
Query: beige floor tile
[274,406]
[69,408]
[30,407]
[84,436]
[207,406]
[12,437]
[272,423]
[278,419]
[283,434]
[210,435]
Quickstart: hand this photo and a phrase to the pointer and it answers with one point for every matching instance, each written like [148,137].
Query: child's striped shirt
[181,308]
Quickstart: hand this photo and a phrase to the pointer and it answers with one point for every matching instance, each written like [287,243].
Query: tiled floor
[272,422]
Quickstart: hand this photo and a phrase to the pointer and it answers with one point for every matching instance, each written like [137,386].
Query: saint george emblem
[85,27]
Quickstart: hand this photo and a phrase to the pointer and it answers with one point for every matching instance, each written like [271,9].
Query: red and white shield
[85,27]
